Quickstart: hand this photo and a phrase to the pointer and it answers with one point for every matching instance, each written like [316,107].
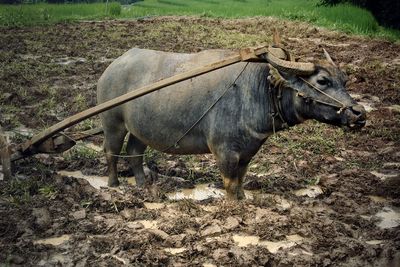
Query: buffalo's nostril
[357,117]
[358,110]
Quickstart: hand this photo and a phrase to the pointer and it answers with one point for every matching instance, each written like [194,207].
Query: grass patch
[312,137]
[342,17]
[29,15]
[80,151]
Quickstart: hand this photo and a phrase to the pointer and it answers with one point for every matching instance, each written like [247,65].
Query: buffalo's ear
[328,57]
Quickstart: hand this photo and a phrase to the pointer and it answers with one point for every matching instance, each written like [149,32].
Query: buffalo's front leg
[233,171]
[135,149]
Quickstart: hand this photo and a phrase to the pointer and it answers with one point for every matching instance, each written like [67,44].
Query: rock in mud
[128,214]
[221,255]
[15,259]
[177,240]
[231,223]
[242,257]
[135,225]
[79,215]
[211,230]
[174,182]
[252,184]
[159,234]
[105,196]
[42,217]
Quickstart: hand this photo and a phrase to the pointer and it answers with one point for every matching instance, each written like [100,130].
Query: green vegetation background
[343,17]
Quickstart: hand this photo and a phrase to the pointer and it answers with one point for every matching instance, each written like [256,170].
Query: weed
[313,180]
[48,191]
[20,191]
[87,124]
[79,151]
[80,102]
[152,155]
[86,203]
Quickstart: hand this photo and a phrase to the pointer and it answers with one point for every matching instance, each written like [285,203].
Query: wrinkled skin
[331,81]
[233,130]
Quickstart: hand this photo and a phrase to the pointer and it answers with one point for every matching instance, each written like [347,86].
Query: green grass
[342,17]
[29,15]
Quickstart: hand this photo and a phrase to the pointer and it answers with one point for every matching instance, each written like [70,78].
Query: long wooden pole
[247,54]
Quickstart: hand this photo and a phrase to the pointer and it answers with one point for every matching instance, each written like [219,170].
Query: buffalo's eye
[323,81]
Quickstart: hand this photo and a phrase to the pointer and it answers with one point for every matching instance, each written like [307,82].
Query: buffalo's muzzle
[357,116]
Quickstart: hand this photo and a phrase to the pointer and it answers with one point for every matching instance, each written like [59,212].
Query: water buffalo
[229,112]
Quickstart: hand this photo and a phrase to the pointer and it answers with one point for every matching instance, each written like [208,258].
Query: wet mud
[316,195]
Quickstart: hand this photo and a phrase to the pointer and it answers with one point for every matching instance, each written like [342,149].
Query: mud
[316,195]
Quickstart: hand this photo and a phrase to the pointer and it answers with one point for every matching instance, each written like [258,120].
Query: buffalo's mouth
[357,124]
[356,117]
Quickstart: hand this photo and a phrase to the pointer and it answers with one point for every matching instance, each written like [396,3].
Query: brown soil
[48,73]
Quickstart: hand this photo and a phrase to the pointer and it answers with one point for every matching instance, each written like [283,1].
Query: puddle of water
[389,216]
[374,242]
[384,176]
[378,199]
[200,192]
[246,240]
[29,56]
[94,180]
[149,224]
[55,241]
[302,251]
[203,191]
[311,191]
[70,60]
[273,247]
[154,205]
[175,251]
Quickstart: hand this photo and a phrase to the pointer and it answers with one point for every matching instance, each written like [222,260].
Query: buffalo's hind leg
[113,140]
[135,150]
[233,170]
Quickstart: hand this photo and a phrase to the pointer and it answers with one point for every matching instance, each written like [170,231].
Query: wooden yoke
[38,142]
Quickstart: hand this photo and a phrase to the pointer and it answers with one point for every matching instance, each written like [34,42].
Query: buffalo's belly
[166,132]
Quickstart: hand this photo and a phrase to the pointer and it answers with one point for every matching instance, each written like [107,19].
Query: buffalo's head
[318,89]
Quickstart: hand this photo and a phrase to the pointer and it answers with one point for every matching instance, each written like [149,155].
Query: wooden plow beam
[48,142]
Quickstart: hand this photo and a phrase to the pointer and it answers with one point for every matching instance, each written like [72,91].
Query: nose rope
[342,107]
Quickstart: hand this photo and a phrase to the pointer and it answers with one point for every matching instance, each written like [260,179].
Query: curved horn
[298,68]
[276,39]
[277,52]
[328,57]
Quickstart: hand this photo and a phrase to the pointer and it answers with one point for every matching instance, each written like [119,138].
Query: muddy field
[316,195]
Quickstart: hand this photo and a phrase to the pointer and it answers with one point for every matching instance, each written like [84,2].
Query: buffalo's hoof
[235,195]
[113,183]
